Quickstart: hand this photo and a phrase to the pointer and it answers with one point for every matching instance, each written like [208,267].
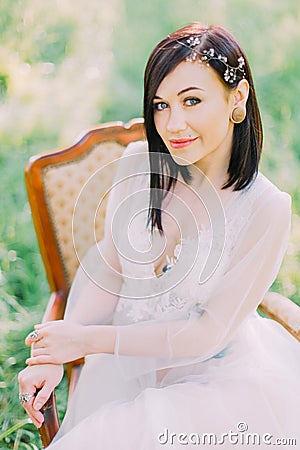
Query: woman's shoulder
[133,158]
[135,148]
[264,182]
[269,197]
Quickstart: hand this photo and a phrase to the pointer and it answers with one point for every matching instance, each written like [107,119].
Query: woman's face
[192,115]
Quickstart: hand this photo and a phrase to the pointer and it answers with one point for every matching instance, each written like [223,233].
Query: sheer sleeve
[94,291]
[253,267]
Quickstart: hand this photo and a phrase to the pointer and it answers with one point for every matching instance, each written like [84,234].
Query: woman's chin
[181,161]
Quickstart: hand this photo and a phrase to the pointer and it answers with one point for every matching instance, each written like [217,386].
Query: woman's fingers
[27,387]
[33,338]
[38,351]
[42,359]
[35,415]
[38,382]
[40,326]
[39,332]
[56,342]
[42,396]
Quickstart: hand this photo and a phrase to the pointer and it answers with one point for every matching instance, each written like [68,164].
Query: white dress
[208,371]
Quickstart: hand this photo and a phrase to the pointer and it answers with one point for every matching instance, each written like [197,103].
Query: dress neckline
[227,208]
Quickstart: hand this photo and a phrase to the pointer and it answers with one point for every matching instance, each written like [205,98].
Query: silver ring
[34,334]
[25,398]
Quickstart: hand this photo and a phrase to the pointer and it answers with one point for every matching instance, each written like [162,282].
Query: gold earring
[238,114]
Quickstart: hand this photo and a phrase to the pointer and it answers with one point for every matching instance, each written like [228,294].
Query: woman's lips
[180,143]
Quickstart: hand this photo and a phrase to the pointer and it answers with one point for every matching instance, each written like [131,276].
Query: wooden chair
[54,181]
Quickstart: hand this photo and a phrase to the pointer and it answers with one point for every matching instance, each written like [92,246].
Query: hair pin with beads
[205,56]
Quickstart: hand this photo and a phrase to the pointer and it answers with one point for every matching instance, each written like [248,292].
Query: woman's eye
[192,101]
[160,106]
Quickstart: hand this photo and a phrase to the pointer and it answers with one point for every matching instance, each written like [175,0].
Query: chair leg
[51,422]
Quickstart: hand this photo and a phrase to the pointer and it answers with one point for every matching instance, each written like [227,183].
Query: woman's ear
[240,94]
[239,100]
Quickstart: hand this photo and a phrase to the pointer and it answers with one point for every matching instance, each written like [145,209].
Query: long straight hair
[247,135]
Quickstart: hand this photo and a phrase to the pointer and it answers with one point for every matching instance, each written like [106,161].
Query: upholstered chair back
[68,190]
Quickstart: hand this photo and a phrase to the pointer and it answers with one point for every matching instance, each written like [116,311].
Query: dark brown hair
[247,135]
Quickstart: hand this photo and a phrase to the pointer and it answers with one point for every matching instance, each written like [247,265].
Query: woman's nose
[176,122]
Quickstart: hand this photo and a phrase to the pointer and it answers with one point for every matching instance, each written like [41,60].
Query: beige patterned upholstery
[63,185]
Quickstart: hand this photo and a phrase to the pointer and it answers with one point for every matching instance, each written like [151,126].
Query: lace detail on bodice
[177,293]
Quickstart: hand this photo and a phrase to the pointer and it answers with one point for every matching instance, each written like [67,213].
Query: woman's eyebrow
[191,88]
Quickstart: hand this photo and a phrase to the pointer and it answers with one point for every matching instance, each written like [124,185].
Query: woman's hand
[45,378]
[56,342]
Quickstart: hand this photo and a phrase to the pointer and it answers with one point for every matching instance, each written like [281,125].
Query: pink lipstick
[180,143]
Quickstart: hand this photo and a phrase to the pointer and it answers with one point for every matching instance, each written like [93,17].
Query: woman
[164,308]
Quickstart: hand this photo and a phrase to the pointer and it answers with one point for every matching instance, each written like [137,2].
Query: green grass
[50,90]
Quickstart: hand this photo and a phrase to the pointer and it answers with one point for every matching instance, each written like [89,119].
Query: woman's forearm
[180,338]
[62,341]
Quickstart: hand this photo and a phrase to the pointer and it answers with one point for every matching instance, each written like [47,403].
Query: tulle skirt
[247,396]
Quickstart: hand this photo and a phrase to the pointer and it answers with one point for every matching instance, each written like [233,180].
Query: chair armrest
[54,311]
[51,422]
[56,306]
[283,310]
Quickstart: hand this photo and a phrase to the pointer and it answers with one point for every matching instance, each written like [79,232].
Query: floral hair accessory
[205,56]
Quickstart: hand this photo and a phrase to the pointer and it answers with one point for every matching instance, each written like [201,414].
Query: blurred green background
[66,66]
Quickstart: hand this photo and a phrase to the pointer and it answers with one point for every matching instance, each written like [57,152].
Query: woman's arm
[91,301]
[95,289]
[253,269]
[94,292]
